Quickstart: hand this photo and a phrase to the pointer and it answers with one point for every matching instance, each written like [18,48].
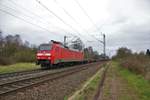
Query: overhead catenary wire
[77,21]
[85,12]
[17,11]
[6,12]
[23,18]
[58,17]
[66,12]
[72,17]
[36,15]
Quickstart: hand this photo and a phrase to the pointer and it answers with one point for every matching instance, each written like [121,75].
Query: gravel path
[115,88]
[55,90]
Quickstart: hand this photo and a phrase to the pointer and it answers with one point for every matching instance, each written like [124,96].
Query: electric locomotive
[54,53]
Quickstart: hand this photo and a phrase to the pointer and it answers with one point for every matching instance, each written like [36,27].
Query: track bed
[12,88]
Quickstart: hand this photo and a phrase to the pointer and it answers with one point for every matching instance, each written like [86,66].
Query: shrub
[137,63]
[6,61]
[13,50]
[24,56]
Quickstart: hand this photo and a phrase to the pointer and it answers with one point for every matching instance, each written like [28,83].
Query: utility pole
[104,43]
[65,37]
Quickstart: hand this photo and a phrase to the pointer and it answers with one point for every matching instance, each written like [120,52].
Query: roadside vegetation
[138,63]
[14,50]
[17,67]
[134,68]
[122,84]
[137,83]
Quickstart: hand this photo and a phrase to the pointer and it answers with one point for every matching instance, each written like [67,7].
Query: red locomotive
[55,53]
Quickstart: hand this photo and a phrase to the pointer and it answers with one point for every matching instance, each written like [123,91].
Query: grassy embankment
[139,64]
[140,85]
[17,67]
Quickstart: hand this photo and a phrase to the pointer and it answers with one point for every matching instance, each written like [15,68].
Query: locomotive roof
[63,45]
[59,43]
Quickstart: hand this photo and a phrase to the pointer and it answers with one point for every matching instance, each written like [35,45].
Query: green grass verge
[89,91]
[137,82]
[65,98]
[18,67]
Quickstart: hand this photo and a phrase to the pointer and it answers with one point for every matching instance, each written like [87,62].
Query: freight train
[55,53]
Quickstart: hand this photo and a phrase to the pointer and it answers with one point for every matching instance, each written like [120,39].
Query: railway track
[37,79]
[13,74]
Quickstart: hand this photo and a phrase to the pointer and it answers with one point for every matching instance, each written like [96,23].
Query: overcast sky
[126,23]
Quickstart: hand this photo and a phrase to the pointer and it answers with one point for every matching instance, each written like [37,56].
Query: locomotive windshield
[45,47]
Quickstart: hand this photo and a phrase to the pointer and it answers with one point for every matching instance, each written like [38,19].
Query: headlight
[47,54]
[39,54]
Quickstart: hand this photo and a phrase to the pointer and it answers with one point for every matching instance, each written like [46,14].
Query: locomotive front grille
[43,61]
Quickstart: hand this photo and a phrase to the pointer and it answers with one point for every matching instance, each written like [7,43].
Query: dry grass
[140,64]
[17,67]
